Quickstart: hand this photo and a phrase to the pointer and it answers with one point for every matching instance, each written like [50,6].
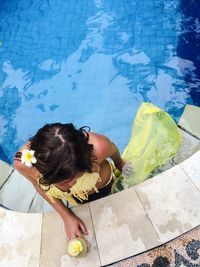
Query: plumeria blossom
[75,247]
[28,157]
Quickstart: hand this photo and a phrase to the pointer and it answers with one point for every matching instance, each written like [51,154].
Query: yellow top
[80,189]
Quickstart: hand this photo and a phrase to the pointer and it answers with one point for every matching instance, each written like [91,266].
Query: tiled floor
[20,239]
[54,243]
[175,196]
[191,168]
[117,223]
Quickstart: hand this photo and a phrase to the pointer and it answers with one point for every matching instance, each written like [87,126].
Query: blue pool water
[92,62]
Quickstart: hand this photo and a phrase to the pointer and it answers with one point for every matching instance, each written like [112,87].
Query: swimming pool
[93,62]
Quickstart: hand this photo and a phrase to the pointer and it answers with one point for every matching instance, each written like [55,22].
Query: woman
[65,163]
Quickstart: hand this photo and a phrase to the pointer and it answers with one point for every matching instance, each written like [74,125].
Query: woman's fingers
[83,229]
[75,229]
[79,234]
[127,169]
[74,235]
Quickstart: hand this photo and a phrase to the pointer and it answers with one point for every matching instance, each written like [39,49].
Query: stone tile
[121,226]
[190,120]
[172,202]
[17,193]
[40,205]
[189,146]
[20,239]
[5,171]
[191,167]
[54,243]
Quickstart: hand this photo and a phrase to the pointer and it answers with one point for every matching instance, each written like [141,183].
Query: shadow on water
[189,46]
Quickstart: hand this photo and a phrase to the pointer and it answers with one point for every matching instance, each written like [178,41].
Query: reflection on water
[87,62]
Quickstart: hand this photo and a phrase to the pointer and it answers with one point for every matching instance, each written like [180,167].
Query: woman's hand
[74,227]
[127,169]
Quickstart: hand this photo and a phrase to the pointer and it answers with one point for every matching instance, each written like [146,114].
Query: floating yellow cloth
[155,139]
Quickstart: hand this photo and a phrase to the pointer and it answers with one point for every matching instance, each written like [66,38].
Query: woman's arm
[116,157]
[74,227]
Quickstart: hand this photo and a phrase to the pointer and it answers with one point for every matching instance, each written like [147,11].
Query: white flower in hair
[28,157]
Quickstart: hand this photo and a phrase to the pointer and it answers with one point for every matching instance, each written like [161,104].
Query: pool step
[17,193]
[40,205]
[5,172]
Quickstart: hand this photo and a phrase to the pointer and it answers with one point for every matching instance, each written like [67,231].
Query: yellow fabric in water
[155,139]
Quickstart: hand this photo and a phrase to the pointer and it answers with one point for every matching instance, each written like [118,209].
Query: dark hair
[61,152]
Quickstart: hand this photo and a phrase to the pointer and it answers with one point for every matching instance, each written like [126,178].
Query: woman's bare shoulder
[101,144]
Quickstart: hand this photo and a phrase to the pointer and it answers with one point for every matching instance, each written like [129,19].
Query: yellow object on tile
[77,247]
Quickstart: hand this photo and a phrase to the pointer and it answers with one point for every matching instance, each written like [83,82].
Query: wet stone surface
[181,252]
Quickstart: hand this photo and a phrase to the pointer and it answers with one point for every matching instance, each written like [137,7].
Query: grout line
[1,187]
[185,130]
[147,214]
[32,202]
[95,237]
[40,256]
[2,206]
[189,177]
